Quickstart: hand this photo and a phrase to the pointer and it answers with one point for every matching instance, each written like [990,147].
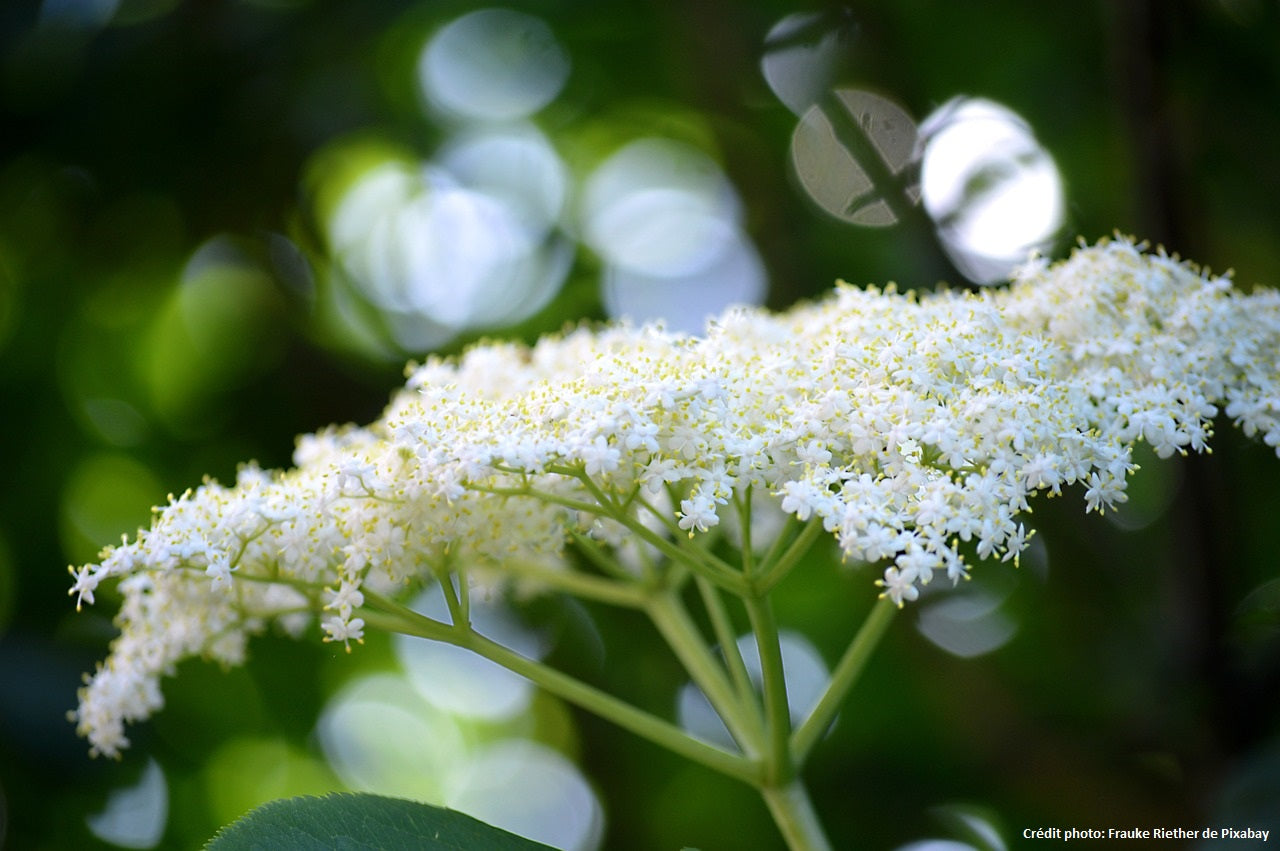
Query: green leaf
[345,822]
[1257,618]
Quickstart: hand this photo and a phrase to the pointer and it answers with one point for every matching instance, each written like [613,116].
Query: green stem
[606,564]
[743,505]
[777,711]
[842,680]
[672,620]
[457,612]
[772,752]
[701,561]
[393,617]
[779,542]
[546,496]
[384,614]
[774,572]
[696,557]
[727,636]
[794,814]
[583,585]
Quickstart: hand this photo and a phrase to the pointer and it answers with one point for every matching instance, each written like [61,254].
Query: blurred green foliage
[166,312]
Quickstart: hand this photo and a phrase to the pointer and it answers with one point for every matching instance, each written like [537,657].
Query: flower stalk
[795,817]
[843,678]
[394,618]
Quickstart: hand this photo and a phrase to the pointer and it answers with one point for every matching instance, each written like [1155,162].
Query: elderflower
[914,429]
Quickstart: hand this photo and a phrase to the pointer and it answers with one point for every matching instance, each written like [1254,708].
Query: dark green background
[1137,691]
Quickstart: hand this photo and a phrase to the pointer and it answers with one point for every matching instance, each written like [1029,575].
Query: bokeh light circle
[493,65]
[851,153]
[801,55]
[531,790]
[380,736]
[515,165]
[463,683]
[438,257]
[666,222]
[993,192]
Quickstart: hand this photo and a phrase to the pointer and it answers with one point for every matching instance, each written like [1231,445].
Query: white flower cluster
[912,428]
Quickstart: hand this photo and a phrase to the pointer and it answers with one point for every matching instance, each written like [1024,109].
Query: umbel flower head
[914,429]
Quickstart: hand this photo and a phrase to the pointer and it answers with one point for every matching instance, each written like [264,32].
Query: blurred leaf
[1248,797]
[1262,603]
[216,330]
[107,494]
[250,771]
[1258,615]
[362,822]
[978,826]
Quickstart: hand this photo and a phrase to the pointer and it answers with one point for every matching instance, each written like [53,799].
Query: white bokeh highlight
[492,65]
[439,257]
[666,223]
[379,735]
[994,193]
[801,56]
[135,816]
[529,789]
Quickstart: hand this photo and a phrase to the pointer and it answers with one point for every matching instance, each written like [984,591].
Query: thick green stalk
[794,814]
[780,767]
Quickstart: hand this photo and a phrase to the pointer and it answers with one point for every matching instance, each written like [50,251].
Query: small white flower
[698,513]
[599,457]
[219,570]
[86,583]
[345,599]
[899,586]
[346,630]
[813,453]
[352,476]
